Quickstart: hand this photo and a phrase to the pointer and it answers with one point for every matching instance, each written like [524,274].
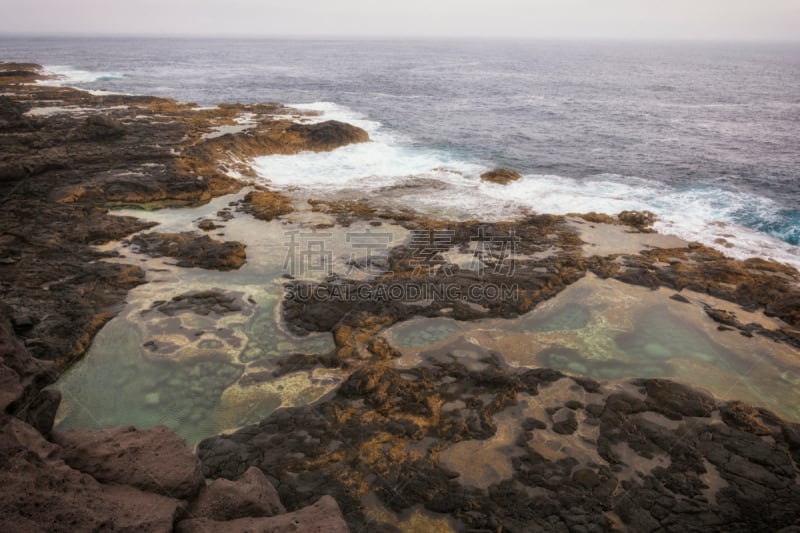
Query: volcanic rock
[502,176]
[266,205]
[154,460]
[323,516]
[249,496]
[192,250]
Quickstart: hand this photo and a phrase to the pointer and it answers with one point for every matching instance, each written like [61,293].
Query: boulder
[39,492]
[98,128]
[266,205]
[502,176]
[328,135]
[40,412]
[251,495]
[155,460]
[641,220]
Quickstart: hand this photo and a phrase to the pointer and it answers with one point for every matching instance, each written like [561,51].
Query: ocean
[703,134]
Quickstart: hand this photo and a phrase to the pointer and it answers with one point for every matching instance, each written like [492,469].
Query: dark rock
[204,303]
[641,220]
[675,400]
[328,135]
[787,308]
[21,375]
[192,250]
[22,322]
[98,128]
[40,413]
[564,421]
[382,451]
[502,176]
[12,114]
[679,298]
[208,225]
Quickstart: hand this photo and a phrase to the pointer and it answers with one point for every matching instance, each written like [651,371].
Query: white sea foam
[369,165]
[332,111]
[66,76]
[438,183]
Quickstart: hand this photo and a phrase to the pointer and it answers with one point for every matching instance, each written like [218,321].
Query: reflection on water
[610,330]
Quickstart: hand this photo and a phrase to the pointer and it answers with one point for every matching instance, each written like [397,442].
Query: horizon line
[398,37]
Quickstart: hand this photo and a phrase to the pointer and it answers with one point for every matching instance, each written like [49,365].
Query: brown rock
[40,412]
[20,374]
[640,220]
[208,225]
[250,496]
[266,205]
[39,496]
[193,250]
[502,176]
[98,127]
[328,135]
[10,387]
[156,460]
[39,492]
[322,517]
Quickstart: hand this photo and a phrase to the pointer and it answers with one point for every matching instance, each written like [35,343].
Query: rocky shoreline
[394,446]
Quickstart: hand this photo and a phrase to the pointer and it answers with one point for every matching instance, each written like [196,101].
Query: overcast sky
[670,19]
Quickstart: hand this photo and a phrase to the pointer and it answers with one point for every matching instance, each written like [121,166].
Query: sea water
[702,134]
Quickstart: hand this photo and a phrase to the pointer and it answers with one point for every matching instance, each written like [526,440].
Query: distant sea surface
[703,134]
